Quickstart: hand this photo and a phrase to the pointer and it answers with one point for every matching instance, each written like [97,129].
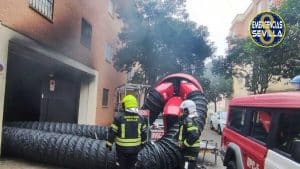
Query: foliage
[290,47]
[159,38]
[218,84]
[272,64]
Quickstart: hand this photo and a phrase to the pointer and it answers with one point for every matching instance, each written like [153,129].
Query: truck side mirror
[296,150]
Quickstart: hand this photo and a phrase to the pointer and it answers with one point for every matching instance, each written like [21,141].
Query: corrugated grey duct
[89,131]
[165,153]
[59,149]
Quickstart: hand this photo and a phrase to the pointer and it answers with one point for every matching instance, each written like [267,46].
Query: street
[209,158]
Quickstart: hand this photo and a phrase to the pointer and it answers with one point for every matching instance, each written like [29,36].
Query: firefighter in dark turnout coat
[129,132]
[189,133]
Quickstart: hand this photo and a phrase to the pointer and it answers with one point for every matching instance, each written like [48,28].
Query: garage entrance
[40,88]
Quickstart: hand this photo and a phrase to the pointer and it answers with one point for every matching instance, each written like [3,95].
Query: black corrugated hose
[59,149]
[89,131]
[154,103]
[165,153]
[81,152]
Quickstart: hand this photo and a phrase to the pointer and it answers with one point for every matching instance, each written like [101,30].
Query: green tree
[159,38]
[290,48]
[272,64]
[218,88]
[217,82]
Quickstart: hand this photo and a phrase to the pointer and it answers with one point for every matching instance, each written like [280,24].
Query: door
[255,151]
[59,100]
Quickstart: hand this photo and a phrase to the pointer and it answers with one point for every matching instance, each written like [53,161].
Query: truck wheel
[231,165]
[219,130]
[211,125]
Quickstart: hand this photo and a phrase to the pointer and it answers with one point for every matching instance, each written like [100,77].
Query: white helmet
[189,105]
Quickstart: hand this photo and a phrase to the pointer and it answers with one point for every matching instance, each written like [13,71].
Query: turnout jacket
[189,137]
[128,131]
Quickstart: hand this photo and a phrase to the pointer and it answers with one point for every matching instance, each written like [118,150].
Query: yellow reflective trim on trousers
[122,130]
[180,134]
[131,117]
[114,127]
[128,142]
[196,144]
[192,128]
[139,129]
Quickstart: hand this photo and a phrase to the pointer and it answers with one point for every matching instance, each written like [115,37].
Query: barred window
[43,7]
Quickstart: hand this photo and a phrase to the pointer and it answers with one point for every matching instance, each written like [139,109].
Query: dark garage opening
[38,91]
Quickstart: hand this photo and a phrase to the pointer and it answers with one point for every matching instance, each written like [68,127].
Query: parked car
[263,132]
[218,121]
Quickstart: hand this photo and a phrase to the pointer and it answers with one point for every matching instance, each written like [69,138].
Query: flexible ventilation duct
[90,131]
[59,149]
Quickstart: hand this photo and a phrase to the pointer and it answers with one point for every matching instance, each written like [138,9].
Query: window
[261,125]
[111,7]
[43,7]
[105,97]
[289,131]
[86,33]
[236,119]
[108,52]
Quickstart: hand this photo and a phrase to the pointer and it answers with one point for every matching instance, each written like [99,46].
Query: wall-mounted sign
[52,85]
[1,66]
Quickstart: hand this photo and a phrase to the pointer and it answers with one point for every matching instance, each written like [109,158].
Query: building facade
[56,61]
[240,29]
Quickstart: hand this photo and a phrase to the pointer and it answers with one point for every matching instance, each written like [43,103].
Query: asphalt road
[208,159]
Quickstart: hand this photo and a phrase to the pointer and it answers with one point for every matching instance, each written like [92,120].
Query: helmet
[129,101]
[189,106]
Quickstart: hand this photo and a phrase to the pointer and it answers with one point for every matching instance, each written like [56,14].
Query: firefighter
[129,132]
[189,133]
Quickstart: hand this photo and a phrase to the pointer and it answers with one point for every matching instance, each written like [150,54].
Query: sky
[217,15]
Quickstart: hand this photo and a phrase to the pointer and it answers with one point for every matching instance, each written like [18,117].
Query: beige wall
[88,101]
[3,59]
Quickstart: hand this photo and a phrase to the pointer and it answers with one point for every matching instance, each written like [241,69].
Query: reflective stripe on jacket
[189,134]
[128,130]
